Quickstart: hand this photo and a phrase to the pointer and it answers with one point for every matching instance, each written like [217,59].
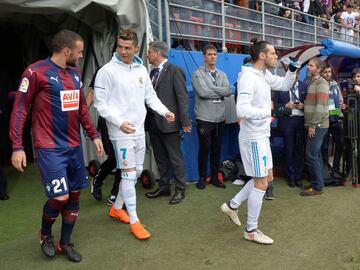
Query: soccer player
[254,110]
[122,87]
[53,89]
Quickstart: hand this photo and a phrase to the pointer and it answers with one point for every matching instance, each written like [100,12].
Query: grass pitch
[320,232]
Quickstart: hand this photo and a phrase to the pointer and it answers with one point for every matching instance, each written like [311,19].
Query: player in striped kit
[53,89]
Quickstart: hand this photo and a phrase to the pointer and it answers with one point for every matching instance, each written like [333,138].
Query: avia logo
[31,72]
[76,78]
[69,100]
[74,214]
[55,79]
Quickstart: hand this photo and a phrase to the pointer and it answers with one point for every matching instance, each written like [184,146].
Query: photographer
[350,124]
[355,76]
[290,105]
[336,104]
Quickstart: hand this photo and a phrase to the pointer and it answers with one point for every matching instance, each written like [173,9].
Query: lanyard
[296,84]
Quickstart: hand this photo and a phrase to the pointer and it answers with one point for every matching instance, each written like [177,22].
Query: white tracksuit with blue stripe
[254,110]
[253,105]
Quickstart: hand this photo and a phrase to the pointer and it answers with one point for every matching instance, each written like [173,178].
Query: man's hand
[99,147]
[187,129]
[300,106]
[293,64]
[170,117]
[127,127]
[18,160]
[311,132]
[290,105]
[357,88]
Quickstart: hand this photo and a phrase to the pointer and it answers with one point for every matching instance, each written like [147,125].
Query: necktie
[154,75]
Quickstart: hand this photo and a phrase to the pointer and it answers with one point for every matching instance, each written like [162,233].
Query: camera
[351,87]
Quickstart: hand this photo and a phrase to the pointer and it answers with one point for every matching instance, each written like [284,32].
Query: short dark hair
[64,38]
[208,47]
[128,34]
[327,65]
[159,47]
[355,71]
[349,5]
[257,47]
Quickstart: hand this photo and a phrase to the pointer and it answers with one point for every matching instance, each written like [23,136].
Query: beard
[71,62]
[270,65]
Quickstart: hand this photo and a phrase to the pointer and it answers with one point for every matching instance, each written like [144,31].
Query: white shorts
[129,152]
[256,157]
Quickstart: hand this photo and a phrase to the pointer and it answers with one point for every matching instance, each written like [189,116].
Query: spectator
[210,86]
[316,112]
[311,7]
[336,20]
[336,104]
[291,122]
[348,20]
[324,21]
[337,5]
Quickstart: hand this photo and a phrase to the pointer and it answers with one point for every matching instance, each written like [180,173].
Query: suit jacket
[280,98]
[171,90]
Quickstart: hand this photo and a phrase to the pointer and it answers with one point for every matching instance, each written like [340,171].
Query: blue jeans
[314,159]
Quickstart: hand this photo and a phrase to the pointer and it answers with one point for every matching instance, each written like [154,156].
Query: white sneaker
[258,236]
[238,182]
[232,214]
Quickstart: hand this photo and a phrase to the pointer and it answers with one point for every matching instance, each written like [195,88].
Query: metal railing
[233,25]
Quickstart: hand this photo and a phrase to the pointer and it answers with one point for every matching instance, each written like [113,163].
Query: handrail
[225,23]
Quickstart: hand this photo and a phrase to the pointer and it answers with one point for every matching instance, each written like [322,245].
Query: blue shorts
[62,170]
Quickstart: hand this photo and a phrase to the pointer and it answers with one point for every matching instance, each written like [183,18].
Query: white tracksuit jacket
[253,104]
[121,91]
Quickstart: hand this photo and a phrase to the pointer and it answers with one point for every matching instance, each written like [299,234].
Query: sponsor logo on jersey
[76,78]
[125,163]
[24,85]
[55,79]
[141,81]
[69,100]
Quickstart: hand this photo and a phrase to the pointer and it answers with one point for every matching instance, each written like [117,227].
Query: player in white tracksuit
[122,87]
[254,110]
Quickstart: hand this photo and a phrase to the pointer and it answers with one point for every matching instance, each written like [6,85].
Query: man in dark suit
[291,122]
[169,83]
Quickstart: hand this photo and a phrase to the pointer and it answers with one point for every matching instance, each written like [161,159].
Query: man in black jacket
[169,83]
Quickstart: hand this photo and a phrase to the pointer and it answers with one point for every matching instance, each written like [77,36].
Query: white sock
[129,194]
[119,202]
[254,207]
[242,195]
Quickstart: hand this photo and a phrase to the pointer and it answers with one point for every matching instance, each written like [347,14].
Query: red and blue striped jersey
[58,106]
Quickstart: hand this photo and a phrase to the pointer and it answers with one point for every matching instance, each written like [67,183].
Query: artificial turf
[320,232]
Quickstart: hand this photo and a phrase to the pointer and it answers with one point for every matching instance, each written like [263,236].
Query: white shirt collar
[160,67]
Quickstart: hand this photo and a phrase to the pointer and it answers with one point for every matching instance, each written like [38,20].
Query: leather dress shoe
[158,193]
[4,197]
[178,197]
[217,184]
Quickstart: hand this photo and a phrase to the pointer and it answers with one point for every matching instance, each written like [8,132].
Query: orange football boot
[139,231]
[119,214]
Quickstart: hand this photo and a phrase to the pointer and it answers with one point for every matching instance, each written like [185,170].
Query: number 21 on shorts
[59,185]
